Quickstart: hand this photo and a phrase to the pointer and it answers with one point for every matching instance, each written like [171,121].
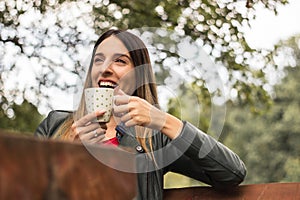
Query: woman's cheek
[127,82]
[94,77]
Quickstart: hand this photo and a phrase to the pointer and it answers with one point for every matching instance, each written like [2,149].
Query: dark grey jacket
[193,153]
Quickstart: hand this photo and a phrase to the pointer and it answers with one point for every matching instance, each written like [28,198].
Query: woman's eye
[98,60]
[120,61]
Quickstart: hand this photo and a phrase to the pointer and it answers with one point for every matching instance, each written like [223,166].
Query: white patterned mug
[99,99]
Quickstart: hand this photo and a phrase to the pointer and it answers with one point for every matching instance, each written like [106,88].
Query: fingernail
[99,112]
[73,126]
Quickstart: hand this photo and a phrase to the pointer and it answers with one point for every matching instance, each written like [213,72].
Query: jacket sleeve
[51,123]
[205,159]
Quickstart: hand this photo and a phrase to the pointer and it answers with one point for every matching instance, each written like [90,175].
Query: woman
[121,60]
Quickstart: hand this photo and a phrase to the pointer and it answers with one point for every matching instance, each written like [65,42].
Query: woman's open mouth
[107,84]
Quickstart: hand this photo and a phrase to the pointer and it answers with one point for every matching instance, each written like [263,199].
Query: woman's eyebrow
[118,55]
[99,54]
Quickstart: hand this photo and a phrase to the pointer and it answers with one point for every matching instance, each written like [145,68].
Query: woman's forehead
[112,45]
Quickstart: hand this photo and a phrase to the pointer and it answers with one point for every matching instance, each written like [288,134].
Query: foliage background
[52,46]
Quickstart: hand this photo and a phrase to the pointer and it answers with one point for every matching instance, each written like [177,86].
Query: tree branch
[14,40]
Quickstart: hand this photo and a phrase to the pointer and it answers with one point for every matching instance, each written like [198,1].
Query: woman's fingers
[132,110]
[126,117]
[137,111]
[121,99]
[85,129]
[93,136]
[121,104]
[88,118]
[121,109]
[88,129]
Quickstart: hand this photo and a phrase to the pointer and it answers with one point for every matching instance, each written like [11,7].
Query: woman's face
[113,66]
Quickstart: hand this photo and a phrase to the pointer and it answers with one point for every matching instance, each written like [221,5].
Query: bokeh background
[45,48]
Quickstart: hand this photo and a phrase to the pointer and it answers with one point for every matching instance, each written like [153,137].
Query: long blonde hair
[146,86]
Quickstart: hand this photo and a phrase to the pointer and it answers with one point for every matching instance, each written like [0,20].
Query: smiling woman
[111,63]
[159,141]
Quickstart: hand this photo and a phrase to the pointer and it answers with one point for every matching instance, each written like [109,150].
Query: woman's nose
[106,68]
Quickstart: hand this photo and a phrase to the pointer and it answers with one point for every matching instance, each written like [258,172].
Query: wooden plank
[52,170]
[269,191]
[33,169]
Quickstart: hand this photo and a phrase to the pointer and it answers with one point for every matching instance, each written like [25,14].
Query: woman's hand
[134,110]
[88,129]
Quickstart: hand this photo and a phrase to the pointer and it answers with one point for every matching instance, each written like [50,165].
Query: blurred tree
[269,143]
[22,118]
[50,41]
[191,105]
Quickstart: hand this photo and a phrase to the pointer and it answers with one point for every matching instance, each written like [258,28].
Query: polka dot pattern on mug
[99,99]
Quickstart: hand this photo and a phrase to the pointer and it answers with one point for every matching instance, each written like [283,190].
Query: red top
[113,141]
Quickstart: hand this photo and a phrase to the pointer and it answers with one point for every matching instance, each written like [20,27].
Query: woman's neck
[110,131]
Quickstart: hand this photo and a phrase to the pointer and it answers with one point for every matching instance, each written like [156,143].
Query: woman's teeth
[106,84]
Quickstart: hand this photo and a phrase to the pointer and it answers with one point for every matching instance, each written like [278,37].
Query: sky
[267,29]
